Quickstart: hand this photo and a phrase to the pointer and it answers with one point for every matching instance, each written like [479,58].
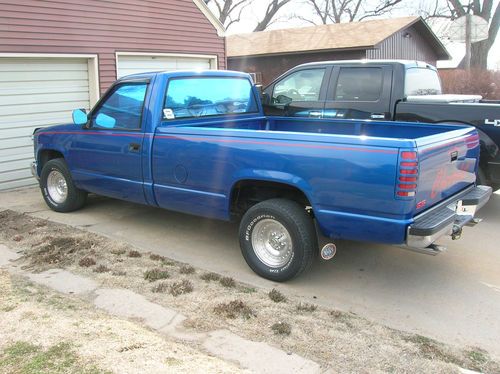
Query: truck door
[359,92]
[300,94]
[106,157]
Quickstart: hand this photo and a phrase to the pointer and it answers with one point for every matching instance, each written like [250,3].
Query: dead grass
[118,251]
[153,275]
[234,309]
[38,338]
[306,307]
[282,328]
[87,262]
[102,269]
[350,343]
[155,257]
[134,254]
[161,287]
[180,288]
[227,282]
[208,277]
[27,358]
[276,296]
[186,269]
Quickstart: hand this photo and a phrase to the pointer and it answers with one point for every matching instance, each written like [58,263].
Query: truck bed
[350,170]
[352,128]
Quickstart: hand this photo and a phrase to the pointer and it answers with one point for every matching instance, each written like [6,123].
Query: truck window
[359,84]
[303,85]
[209,96]
[422,81]
[122,109]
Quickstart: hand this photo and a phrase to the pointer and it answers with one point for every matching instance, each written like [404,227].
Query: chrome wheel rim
[272,243]
[57,187]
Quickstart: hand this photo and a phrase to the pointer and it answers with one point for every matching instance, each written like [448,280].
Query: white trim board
[221,31]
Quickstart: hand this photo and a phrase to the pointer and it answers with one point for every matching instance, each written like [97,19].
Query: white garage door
[35,92]
[142,64]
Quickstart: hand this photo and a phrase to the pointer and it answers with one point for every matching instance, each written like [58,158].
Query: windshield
[422,81]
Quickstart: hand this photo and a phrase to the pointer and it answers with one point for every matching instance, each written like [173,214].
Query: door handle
[134,147]
[316,113]
[377,116]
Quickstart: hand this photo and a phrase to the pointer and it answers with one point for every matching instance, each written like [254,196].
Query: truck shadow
[215,244]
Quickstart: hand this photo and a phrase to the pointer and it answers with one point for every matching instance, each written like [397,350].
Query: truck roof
[406,63]
[189,73]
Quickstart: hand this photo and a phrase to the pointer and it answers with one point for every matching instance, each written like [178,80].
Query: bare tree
[337,11]
[484,9]
[229,11]
[272,9]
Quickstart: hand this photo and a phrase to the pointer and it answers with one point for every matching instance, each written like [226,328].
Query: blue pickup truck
[199,143]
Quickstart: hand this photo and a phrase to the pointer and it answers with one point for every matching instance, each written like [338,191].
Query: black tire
[75,198]
[300,228]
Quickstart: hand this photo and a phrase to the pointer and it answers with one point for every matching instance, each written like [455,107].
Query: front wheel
[278,239]
[58,189]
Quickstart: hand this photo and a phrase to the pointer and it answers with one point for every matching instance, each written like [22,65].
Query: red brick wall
[105,26]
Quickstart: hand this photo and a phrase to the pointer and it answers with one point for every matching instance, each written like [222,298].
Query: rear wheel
[278,239]
[58,189]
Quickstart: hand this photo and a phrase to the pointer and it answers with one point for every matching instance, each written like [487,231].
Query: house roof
[342,36]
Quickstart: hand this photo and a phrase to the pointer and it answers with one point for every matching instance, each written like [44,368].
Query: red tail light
[407,174]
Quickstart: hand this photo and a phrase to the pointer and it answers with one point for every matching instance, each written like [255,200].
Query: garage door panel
[36,119]
[26,155]
[43,98]
[18,178]
[41,108]
[15,165]
[142,64]
[40,87]
[27,181]
[21,65]
[15,142]
[183,63]
[35,92]
[33,76]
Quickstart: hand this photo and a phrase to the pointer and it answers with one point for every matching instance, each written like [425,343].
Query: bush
[474,82]
[155,274]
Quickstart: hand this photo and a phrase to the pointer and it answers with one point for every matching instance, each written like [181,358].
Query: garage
[38,92]
[56,56]
[132,63]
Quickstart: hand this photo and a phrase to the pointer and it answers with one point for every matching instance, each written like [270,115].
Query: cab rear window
[422,81]
[208,96]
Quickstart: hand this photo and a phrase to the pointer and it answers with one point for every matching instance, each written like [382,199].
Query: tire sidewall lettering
[248,234]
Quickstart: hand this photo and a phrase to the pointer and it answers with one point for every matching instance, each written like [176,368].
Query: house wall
[271,67]
[104,27]
[407,45]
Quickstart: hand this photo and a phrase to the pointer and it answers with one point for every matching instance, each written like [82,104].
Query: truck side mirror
[79,117]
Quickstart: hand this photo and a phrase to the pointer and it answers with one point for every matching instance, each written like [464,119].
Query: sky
[286,19]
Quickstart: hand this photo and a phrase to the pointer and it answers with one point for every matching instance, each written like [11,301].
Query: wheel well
[47,155]
[247,193]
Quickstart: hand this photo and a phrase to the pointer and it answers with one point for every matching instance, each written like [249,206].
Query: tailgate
[445,164]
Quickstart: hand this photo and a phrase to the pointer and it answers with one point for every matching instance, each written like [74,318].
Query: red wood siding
[105,26]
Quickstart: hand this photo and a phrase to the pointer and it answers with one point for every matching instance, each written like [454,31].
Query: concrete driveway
[454,297]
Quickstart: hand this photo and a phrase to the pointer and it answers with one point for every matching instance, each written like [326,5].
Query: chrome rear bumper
[448,218]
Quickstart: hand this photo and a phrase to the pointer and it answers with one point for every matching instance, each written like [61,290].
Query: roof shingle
[354,35]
